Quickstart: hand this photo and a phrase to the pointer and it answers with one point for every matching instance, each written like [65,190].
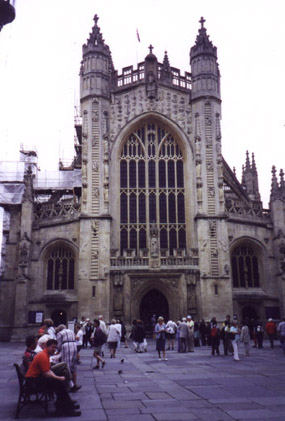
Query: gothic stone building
[149,218]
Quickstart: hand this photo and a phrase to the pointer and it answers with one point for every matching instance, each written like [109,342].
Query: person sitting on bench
[29,354]
[40,377]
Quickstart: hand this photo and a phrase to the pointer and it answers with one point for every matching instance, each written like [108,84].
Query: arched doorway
[249,313]
[59,317]
[154,302]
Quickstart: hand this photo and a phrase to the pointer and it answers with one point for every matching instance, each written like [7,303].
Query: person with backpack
[99,338]
[215,337]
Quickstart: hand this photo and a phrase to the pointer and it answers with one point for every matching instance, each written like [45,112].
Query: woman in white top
[235,332]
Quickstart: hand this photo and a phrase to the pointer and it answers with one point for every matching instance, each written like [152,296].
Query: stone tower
[210,217]
[95,91]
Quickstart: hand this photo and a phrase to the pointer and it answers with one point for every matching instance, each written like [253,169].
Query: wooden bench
[28,396]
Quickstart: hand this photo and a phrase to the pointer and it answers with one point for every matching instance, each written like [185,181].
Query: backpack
[100,338]
[214,331]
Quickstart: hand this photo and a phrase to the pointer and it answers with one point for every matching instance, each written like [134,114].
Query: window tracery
[60,268]
[152,189]
[245,270]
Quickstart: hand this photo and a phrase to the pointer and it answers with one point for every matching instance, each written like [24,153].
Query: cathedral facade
[149,218]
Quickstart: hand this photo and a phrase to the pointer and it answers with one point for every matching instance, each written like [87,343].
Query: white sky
[40,54]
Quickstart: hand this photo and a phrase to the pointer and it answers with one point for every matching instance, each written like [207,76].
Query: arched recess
[59,266]
[168,287]
[249,312]
[153,303]
[247,263]
[59,317]
[144,162]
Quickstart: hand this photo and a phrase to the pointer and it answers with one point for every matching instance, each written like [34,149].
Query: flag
[138,36]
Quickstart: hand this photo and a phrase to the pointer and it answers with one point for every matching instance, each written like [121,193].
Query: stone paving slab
[253,413]
[175,417]
[188,386]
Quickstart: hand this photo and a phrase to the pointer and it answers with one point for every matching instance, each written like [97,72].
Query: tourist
[160,331]
[40,378]
[87,333]
[245,338]
[50,329]
[67,347]
[99,338]
[139,336]
[202,330]
[113,338]
[190,338]
[252,329]
[124,339]
[259,334]
[196,334]
[31,344]
[183,335]
[104,329]
[281,330]
[79,341]
[119,327]
[208,333]
[215,337]
[270,328]
[171,328]
[132,334]
[235,339]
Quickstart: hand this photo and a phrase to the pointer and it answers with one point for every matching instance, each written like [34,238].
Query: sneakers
[75,388]
[165,359]
[159,359]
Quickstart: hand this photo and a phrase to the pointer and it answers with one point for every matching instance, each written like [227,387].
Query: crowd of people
[51,357]
[189,334]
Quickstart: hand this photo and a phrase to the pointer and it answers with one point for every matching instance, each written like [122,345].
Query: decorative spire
[234,171]
[282,183]
[253,165]
[242,176]
[204,66]
[274,185]
[247,162]
[203,44]
[165,73]
[95,42]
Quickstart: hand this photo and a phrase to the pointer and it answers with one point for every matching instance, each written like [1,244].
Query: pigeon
[122,360]
[120,371]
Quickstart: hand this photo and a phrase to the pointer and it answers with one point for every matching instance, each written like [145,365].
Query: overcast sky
[40,54]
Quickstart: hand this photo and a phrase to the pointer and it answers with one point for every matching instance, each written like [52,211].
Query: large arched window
[60,267]
[151,189]
[245,270]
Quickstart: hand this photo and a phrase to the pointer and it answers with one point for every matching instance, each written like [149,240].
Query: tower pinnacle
[204,66]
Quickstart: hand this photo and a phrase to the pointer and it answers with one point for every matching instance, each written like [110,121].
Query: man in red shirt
[40,377]
[270,328]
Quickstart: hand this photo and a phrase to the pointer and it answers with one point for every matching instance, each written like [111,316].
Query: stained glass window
[152,189]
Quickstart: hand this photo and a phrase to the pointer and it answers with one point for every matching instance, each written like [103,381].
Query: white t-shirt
[79,338]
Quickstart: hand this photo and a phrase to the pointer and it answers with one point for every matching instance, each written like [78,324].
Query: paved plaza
[192,386]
